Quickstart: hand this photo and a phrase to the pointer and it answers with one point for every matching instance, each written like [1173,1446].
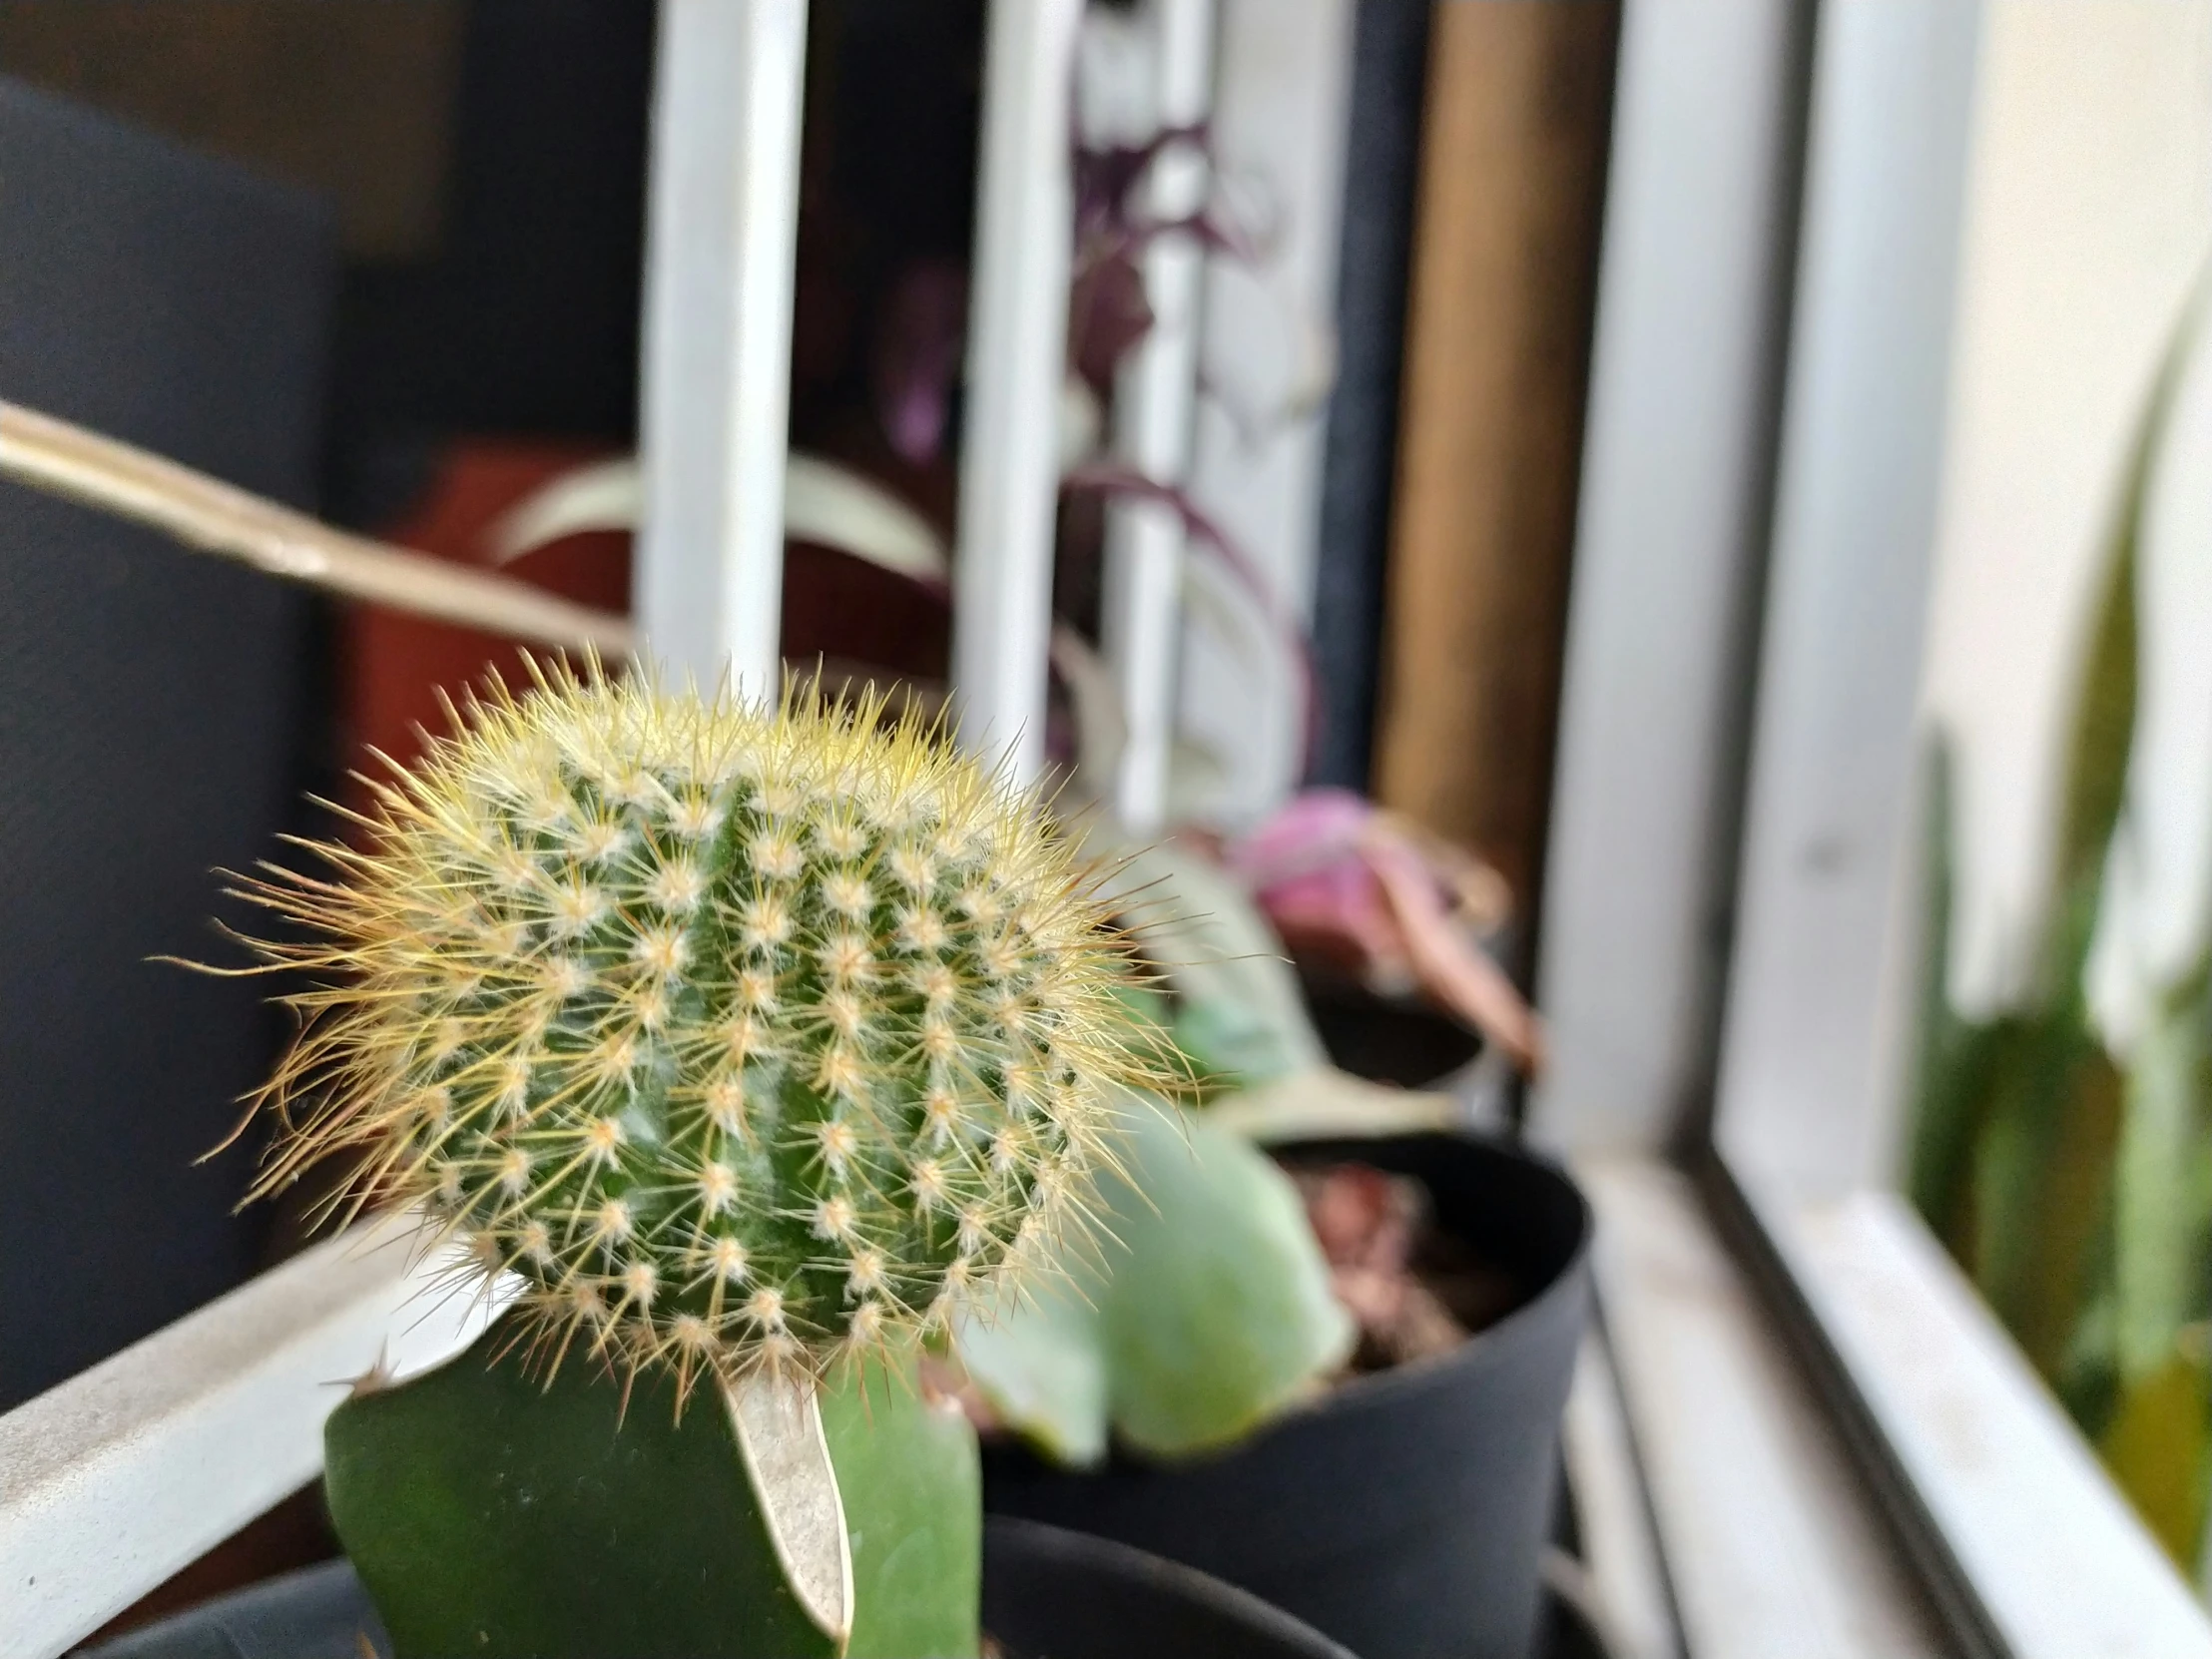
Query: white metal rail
[1155,408]
[123,1475]
[722,230]
[1017,343]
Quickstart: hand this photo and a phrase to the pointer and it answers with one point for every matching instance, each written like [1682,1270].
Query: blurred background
[383,260]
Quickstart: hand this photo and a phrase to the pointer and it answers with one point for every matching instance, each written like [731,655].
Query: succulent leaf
[492,1511]
[744,1037]
[1203,1312]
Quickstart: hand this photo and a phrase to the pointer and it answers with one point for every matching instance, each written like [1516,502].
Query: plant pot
[1405,1513]
[1047,1594]
[1400,1040]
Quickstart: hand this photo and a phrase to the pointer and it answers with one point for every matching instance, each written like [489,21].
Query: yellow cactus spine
[744,1037]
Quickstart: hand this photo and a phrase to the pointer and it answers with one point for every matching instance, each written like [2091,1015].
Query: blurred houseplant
[1401,1503]
[2062,1146]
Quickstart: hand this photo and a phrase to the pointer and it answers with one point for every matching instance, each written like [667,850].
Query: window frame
[1779,269]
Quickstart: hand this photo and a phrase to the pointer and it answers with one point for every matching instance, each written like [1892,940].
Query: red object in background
[394,666]
[835,607]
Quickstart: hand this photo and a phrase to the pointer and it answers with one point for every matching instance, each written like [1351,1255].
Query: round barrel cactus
[743,1036]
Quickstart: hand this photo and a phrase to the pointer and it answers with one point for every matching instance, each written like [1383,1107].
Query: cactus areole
[747,1039]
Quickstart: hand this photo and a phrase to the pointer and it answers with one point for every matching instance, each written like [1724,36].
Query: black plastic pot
[1396,1040]
[1047,1594]
[1405,1513]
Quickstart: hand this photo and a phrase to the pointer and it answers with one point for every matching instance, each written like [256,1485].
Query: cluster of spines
[742,1036]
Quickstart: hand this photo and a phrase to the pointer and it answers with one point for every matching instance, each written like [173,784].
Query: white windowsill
[2061,1564]
[1771,1545]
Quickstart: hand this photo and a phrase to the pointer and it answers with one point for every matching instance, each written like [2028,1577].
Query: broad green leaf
[2042,1182]
[2104,721]
[487,1513]
[2154,921]
[1220,1314]
[491,1512]
[1042,1363]
[2163,1184]
[1238,1010]
[1205,1313]
[2088,1379]
[913,1507]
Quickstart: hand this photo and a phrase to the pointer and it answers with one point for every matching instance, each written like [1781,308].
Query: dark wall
[524,320]
[154,705]
[1360,460]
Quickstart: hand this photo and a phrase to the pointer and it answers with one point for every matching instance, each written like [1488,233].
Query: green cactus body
[744,1037]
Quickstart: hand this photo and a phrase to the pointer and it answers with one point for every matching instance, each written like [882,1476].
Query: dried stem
[202,512]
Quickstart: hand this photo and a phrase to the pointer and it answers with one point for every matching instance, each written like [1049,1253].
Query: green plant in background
[747,1048]
[2063,1148]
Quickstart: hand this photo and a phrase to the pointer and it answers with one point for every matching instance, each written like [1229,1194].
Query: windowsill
[121,1475]
[1773,1540]
[2060,1563]
[1771,1544]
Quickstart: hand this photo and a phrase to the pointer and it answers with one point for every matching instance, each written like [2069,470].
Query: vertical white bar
[722,223]
[1828,822]
[1282,96]
[1017,348]
[1675,453]
[1153,417]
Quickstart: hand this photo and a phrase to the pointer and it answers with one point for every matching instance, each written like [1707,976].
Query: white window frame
[1762,471]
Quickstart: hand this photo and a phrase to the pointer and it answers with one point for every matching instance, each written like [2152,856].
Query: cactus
[749,1040]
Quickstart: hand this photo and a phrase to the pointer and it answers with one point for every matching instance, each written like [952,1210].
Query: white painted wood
[1282,102]
[1155,403]
[1622,1570]
[1666,556]
[1813,1039]
[1017,347]
[2059,1560]
[115,1479]
[1771,1545]
[721,226]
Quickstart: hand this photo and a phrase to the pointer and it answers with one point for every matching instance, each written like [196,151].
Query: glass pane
[2061,1140]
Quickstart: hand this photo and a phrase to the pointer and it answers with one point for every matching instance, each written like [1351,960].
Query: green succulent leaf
[2162,1213]
[491,1512]
[1207,1312]
[1238,1013]
[913,1497]
[1044,1364]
